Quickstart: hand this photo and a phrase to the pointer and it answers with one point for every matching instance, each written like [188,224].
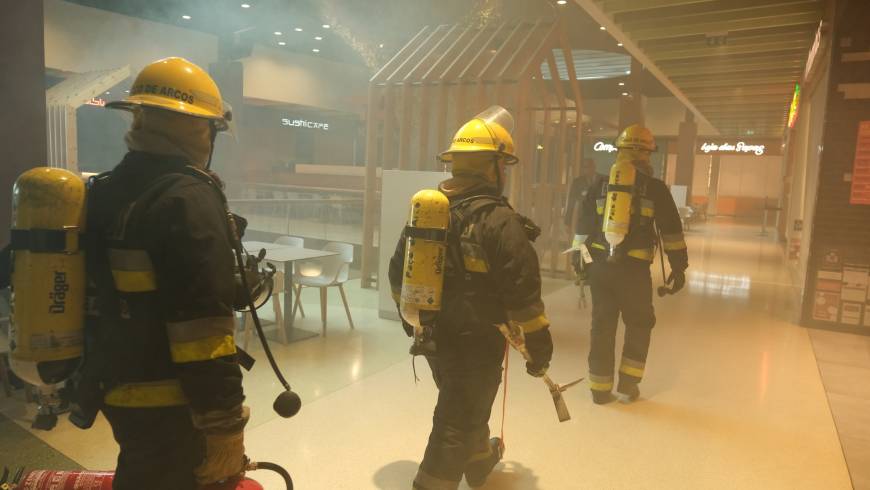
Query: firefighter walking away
[622,218]
[161,362]
[491,276]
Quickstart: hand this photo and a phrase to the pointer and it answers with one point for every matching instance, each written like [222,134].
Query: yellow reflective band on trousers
[673,241]
[599,206]
[632,367]
[599,246]
[600,383]
[132,270]
[152,394]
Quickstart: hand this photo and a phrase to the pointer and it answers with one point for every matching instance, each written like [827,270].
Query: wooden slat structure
[447,74]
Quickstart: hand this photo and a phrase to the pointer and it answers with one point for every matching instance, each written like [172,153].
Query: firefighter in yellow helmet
[622,246]
[161,363]
[491,277]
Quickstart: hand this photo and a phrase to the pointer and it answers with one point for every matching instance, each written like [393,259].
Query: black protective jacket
[652,208]
[492,273]
[160,268]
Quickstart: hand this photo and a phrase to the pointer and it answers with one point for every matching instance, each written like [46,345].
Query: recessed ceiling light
[298,29]
[326,26]
[315,50]
[318,38]
[603,28]
[625,94]
[281,43]
[628,72]
[381,45]
[108,93]
[621,84]
[126,91]
[279,33]
[619,44]
[246,5]
[185,17]
[561,2]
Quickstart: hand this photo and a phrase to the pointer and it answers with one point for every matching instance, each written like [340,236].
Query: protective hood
[638,158]
[163,132]
[467,185]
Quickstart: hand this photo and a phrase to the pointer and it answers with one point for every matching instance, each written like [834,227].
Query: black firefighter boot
[628,390]
[476,472]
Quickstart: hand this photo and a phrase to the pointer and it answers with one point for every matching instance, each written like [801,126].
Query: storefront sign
[854,293]
[793,110]
[302,123]
[826,306]
[737,148]
[96,102]
[601,146]
[861,167]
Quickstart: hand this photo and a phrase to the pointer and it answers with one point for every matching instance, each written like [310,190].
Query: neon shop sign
[302,123]
[740,147]
[601,146]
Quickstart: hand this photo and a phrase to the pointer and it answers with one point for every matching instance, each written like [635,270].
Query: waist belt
[151,394]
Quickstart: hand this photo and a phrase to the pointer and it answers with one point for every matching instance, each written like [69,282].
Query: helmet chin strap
[213,135]
[498,181]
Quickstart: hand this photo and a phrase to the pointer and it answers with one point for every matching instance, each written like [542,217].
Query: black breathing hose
[288,403]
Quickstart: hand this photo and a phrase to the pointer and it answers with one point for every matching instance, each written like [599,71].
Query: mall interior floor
[733,396]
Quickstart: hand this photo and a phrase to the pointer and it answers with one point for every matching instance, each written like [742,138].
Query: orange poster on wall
[861,171]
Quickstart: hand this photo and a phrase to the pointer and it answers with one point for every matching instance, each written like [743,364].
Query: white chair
[290,241]
[325,273]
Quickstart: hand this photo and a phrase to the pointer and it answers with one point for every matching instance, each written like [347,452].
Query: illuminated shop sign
[96,102]
[793,110]
[302,123]
[726,147]
[601,146]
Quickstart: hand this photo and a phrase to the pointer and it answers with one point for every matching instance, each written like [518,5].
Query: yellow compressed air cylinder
[425,253]
[48,275]
[617,210]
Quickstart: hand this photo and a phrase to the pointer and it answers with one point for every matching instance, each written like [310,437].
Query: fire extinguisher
[102,480]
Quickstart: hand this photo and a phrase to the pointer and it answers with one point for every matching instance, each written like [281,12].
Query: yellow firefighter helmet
[487,132]
[636,137]
[176,84]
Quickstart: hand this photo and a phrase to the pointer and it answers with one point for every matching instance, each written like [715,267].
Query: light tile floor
[732,399]
[844,364]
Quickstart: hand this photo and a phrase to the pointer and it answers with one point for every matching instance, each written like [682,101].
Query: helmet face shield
[497,114]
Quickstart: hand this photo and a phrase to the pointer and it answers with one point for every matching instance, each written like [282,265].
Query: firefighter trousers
[159,448]
[622,288]
[467,372]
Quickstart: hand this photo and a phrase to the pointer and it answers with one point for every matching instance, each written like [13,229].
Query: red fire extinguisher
[102,480]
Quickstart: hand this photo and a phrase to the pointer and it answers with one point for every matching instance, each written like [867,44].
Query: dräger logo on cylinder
[58,293]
